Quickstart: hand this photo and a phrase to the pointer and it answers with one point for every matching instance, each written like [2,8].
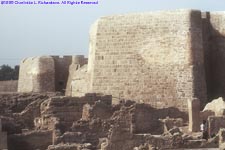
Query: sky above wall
[30,30]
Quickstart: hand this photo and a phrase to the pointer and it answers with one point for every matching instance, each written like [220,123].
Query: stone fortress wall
[154,57]
[214,46]
[37,74]
[45,73]
[162,58]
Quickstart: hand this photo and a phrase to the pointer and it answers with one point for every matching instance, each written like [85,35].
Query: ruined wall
[78,80]
[61,72]
[30,141]
[49,73]
[66,110]
[3,138]
[37,74]
[153,57]
[8,86]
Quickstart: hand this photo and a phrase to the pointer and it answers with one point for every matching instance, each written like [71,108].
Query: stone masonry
[3,138]
[162,58]
[46,73]
[154,57]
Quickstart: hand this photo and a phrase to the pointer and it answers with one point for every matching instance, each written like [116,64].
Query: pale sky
[34,30]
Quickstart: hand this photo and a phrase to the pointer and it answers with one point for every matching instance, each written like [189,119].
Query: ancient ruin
[145,85]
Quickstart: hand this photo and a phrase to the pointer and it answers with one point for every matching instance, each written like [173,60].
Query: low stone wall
[3,138]
[66,110]
[8,86]
[215,123]
[31,140]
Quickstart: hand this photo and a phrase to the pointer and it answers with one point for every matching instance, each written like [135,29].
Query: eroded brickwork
[47,73]
[37,74]
[154,57]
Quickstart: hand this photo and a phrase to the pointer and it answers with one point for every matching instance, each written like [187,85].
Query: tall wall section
[61,72]
[78,80]
[37,74]
[154,57]
[214,47]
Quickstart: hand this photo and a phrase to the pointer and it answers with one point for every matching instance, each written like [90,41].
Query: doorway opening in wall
[61,86]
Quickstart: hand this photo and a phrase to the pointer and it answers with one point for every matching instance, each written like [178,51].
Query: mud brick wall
[154,57]
[37,74]
[8,86]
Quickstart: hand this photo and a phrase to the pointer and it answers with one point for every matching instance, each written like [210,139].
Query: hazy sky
[28,30]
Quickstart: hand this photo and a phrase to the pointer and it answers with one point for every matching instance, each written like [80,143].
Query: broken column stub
[193,113]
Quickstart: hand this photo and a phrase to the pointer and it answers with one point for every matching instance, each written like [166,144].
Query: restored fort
[144,85]
[162,58]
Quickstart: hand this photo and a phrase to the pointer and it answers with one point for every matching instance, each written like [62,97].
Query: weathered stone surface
[222,139]
[37,74]
[215,123]
[30,140]
[8,86]
[77,84]
[54,110]
[217,106]
[149,58]
[170,123]
[3,138]
[194,112]
[47,73]
[205,114]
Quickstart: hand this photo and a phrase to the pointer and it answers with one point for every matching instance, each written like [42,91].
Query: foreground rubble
[51,122]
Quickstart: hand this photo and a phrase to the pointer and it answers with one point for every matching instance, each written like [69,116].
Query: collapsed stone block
[215,123]
[217,106]
[170,123]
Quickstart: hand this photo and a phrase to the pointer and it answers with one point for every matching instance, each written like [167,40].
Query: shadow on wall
[214,55]
[146,118]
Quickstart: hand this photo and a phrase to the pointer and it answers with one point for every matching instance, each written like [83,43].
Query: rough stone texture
[8,86]
[54,110]
[215,123]
[194,112]
[170,123]
[222,139]
[30,140]
[153,57]
[37,74]
[86,146]
[205,114]
[217,106]
[46,73]
[3,138]
[77,77]
[61,72]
